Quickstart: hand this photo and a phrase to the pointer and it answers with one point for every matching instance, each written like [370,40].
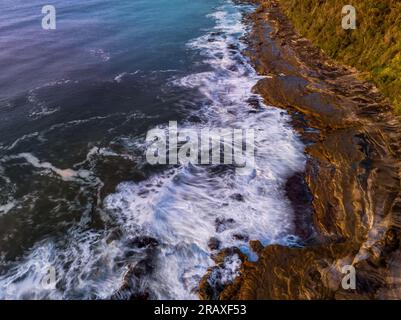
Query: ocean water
[78,200]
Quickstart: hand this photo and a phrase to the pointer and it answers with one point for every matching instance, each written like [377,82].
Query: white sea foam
[65,174]
[100,54]
[5,208]
[184,207]
[40,108]
[42,111]
[119,78]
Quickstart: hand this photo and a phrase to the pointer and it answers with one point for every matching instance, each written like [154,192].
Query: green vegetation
[373,48]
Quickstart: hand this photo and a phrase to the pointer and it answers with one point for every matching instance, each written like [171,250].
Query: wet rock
[238,197]
[143,193]
[194,119]
[144,242]
[298,192]
[140,296]
[254,102]
[132,285]
[214,243]
[223,224]
[256,246]
[233,46]
[220,275]
[142,268]
[217,33]
[228,252]
[116,234]
[391,240]
[240,237]
[233,68]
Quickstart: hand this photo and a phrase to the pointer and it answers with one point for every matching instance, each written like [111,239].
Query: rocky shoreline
[347,202]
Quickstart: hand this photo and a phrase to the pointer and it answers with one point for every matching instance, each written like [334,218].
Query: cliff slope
[374,47]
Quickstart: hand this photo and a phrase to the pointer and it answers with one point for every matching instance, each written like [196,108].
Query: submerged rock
[144,241]
[133,286]
[214,243]
[225,271]
[237,197]
[223,224]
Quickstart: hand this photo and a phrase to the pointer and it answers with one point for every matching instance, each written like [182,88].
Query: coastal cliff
[374,47]
[347,202]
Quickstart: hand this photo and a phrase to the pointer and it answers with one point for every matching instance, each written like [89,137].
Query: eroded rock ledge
[353,174]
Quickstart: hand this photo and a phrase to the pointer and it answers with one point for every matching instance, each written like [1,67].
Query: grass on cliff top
[374,47]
